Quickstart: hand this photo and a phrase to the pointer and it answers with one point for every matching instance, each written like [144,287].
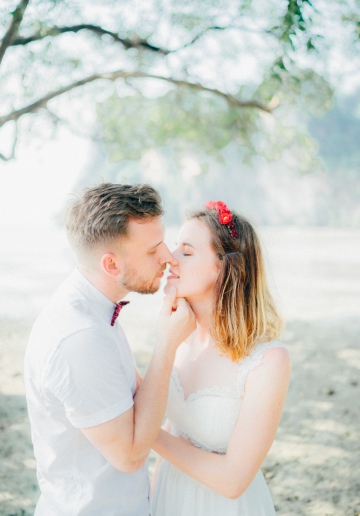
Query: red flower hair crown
[225,216]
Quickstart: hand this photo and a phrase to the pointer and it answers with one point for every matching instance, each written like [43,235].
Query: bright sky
[35,186]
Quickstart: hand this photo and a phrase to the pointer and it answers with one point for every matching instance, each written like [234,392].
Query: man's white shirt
[79,373]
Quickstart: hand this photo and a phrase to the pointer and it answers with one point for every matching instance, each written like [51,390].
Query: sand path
[313,468]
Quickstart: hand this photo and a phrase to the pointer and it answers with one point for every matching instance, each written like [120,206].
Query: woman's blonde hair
[244,311]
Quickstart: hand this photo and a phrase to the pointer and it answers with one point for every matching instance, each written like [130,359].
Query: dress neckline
[245,365]
[205,391]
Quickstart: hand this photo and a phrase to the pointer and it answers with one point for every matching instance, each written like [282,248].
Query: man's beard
[133,282]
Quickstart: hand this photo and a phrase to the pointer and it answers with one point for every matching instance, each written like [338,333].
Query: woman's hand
[167,427]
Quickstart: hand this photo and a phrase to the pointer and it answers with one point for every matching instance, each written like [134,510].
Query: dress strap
[253,360]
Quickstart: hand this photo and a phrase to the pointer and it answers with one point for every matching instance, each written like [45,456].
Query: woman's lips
[172,276]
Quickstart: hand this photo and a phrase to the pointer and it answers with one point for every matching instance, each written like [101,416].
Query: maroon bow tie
[118,307]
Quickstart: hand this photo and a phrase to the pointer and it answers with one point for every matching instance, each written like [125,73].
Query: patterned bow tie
[118,307]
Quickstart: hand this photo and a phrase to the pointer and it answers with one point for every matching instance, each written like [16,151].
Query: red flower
[211,204]
[224,217]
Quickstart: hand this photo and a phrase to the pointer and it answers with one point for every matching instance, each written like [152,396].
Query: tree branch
[127,43]
[100,31]
[215,27]
[13,27]
[112,76]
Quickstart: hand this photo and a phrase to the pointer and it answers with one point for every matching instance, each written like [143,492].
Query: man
[92,420]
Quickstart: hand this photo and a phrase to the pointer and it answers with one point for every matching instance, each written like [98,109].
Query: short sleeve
[92,376]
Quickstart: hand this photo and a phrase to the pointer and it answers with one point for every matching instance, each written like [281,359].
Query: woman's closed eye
[186,250]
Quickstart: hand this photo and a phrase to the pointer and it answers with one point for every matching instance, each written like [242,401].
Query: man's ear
[110,264]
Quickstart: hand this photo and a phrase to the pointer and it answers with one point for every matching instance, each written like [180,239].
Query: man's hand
[176,320]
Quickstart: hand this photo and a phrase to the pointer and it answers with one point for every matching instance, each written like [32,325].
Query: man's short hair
[102,213]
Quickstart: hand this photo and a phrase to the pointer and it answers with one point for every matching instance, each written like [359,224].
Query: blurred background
[253,102]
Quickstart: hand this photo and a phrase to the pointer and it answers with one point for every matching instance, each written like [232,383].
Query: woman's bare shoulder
[273,363]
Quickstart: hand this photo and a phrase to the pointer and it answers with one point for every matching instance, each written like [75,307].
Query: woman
[230,378]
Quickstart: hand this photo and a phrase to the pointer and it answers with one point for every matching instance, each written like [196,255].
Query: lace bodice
[208,416]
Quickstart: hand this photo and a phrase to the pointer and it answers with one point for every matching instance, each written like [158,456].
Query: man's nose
[168,257]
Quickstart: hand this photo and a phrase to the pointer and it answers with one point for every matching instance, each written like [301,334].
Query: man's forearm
[150,401]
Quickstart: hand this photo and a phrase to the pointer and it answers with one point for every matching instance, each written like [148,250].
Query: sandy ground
[313,467]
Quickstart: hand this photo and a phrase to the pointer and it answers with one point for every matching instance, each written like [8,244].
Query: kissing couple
[217,370]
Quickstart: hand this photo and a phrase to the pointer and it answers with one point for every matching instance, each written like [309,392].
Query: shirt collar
[103,305]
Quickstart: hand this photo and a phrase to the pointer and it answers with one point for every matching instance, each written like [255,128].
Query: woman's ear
[218,263]
[110,264]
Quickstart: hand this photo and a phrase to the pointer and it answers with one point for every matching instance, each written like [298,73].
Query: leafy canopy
[196,74]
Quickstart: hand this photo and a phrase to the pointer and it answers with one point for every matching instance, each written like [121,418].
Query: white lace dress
[207,417]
